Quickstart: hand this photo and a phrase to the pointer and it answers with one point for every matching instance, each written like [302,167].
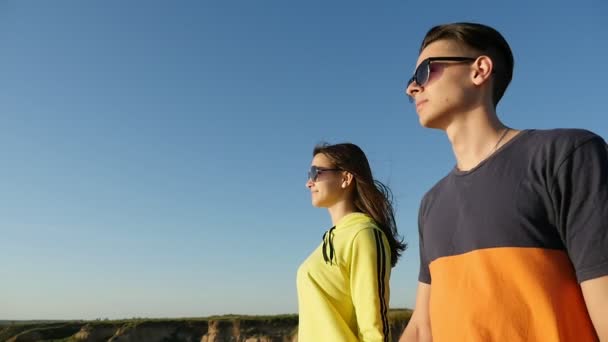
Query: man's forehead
[442,48]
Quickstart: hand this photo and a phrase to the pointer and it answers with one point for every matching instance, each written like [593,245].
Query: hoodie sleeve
[370,268]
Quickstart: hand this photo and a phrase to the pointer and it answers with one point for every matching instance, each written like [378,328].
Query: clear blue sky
[153,153]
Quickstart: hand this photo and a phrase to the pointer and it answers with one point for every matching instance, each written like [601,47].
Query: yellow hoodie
[343,286]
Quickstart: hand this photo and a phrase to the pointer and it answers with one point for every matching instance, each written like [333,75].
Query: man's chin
[431,122]
[426,122]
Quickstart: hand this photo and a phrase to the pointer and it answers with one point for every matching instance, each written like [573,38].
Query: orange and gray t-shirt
[506,244]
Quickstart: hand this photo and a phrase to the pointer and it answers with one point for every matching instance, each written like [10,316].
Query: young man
[514,240]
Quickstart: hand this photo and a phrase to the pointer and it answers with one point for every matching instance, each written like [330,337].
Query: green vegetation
[400,314]
[251,325]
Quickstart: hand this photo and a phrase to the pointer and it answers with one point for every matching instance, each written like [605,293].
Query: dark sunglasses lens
[313,173]
[413,79]
[422,73]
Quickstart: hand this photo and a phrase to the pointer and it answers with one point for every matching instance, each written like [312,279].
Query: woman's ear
[347,179]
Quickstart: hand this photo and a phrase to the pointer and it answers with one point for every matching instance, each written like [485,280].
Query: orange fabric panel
[507,294]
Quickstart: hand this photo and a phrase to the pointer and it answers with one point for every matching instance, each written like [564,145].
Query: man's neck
[475,136]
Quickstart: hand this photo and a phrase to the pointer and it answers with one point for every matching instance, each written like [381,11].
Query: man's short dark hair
[486,41]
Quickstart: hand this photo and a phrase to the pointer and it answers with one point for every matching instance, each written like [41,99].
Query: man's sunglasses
[315,171]
[423,71]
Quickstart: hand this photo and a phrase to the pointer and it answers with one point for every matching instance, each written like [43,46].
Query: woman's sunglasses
[423,71]
[315,171]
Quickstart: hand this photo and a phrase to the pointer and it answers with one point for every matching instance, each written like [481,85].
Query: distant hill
[35,321]
[279,328]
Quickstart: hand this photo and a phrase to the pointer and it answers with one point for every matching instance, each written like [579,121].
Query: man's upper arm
[423,296]
[580,197]
[595,292]
[419,326]
[580,193]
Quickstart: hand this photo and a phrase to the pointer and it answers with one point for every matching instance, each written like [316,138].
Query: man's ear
[482,70]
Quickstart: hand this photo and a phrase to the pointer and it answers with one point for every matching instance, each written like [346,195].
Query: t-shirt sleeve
[424,275]
[580,199]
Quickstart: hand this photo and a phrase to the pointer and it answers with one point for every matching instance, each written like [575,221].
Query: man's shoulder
[556,145]
[562,136]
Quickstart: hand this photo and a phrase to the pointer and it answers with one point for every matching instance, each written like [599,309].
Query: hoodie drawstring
[328,239]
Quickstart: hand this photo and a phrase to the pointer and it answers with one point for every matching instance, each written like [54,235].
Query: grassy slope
[62,331]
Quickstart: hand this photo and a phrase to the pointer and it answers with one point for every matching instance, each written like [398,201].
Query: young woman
[343,286]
